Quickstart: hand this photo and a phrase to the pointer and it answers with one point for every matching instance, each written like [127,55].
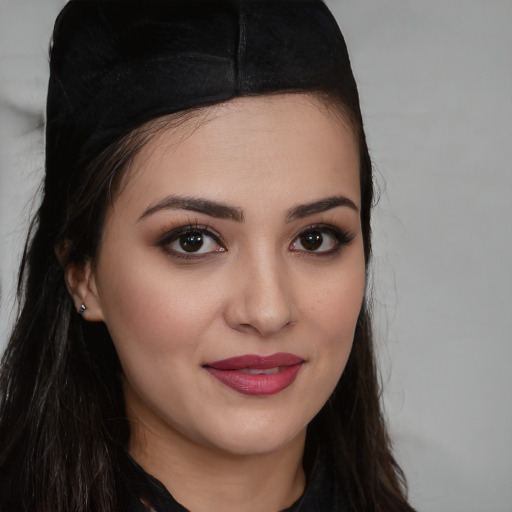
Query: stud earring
[83,307]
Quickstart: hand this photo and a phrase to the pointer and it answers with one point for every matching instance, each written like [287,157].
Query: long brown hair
[63,430]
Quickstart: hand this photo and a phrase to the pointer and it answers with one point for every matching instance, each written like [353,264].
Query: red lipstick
[257,375]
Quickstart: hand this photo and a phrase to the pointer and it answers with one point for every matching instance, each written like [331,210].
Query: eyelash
[174,235]
[341,239]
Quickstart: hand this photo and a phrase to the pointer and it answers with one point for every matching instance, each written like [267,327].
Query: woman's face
[231,273]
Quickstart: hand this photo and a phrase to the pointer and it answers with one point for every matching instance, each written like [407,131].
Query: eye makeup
[321,240]
[194,241]
[191,241]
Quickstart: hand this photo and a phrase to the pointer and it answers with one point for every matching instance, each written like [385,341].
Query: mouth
[257,375]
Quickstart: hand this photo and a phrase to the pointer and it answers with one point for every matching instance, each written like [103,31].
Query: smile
[255,371]
[256,375]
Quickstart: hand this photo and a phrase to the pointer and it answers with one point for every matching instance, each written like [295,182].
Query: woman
[194,332]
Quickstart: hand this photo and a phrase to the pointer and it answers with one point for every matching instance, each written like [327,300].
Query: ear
[81,283]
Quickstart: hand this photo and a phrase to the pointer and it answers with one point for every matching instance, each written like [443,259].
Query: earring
[83,307]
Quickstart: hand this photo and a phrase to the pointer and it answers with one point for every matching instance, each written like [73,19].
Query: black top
[323,493]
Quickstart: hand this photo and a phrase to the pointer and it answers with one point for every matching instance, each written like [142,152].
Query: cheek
[333,312]
[331,320]
[149,309]
[156,323]
[336,302]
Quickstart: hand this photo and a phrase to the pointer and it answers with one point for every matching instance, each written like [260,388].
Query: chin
[254,444]
[254,437]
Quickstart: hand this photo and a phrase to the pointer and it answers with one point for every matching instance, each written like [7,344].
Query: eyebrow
[196,204]
[221,210]
[322,205]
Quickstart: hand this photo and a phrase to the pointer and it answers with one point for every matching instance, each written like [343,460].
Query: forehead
[290,141]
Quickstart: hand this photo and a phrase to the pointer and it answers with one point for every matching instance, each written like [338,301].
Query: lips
[257,375]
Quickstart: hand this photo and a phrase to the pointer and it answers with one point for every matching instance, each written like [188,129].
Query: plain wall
[435,80]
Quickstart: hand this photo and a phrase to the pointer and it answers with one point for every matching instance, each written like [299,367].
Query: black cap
[117,64]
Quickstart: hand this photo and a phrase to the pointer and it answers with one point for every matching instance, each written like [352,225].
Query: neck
[202,478]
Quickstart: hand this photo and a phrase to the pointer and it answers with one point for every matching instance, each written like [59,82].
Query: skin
[253,289]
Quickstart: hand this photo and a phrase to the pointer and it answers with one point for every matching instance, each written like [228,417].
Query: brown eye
[311,240]
[320,240]
[191,242]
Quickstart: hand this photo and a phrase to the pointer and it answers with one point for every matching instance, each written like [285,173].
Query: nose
[261,298]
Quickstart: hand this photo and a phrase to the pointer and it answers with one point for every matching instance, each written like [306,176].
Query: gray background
[435,78]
